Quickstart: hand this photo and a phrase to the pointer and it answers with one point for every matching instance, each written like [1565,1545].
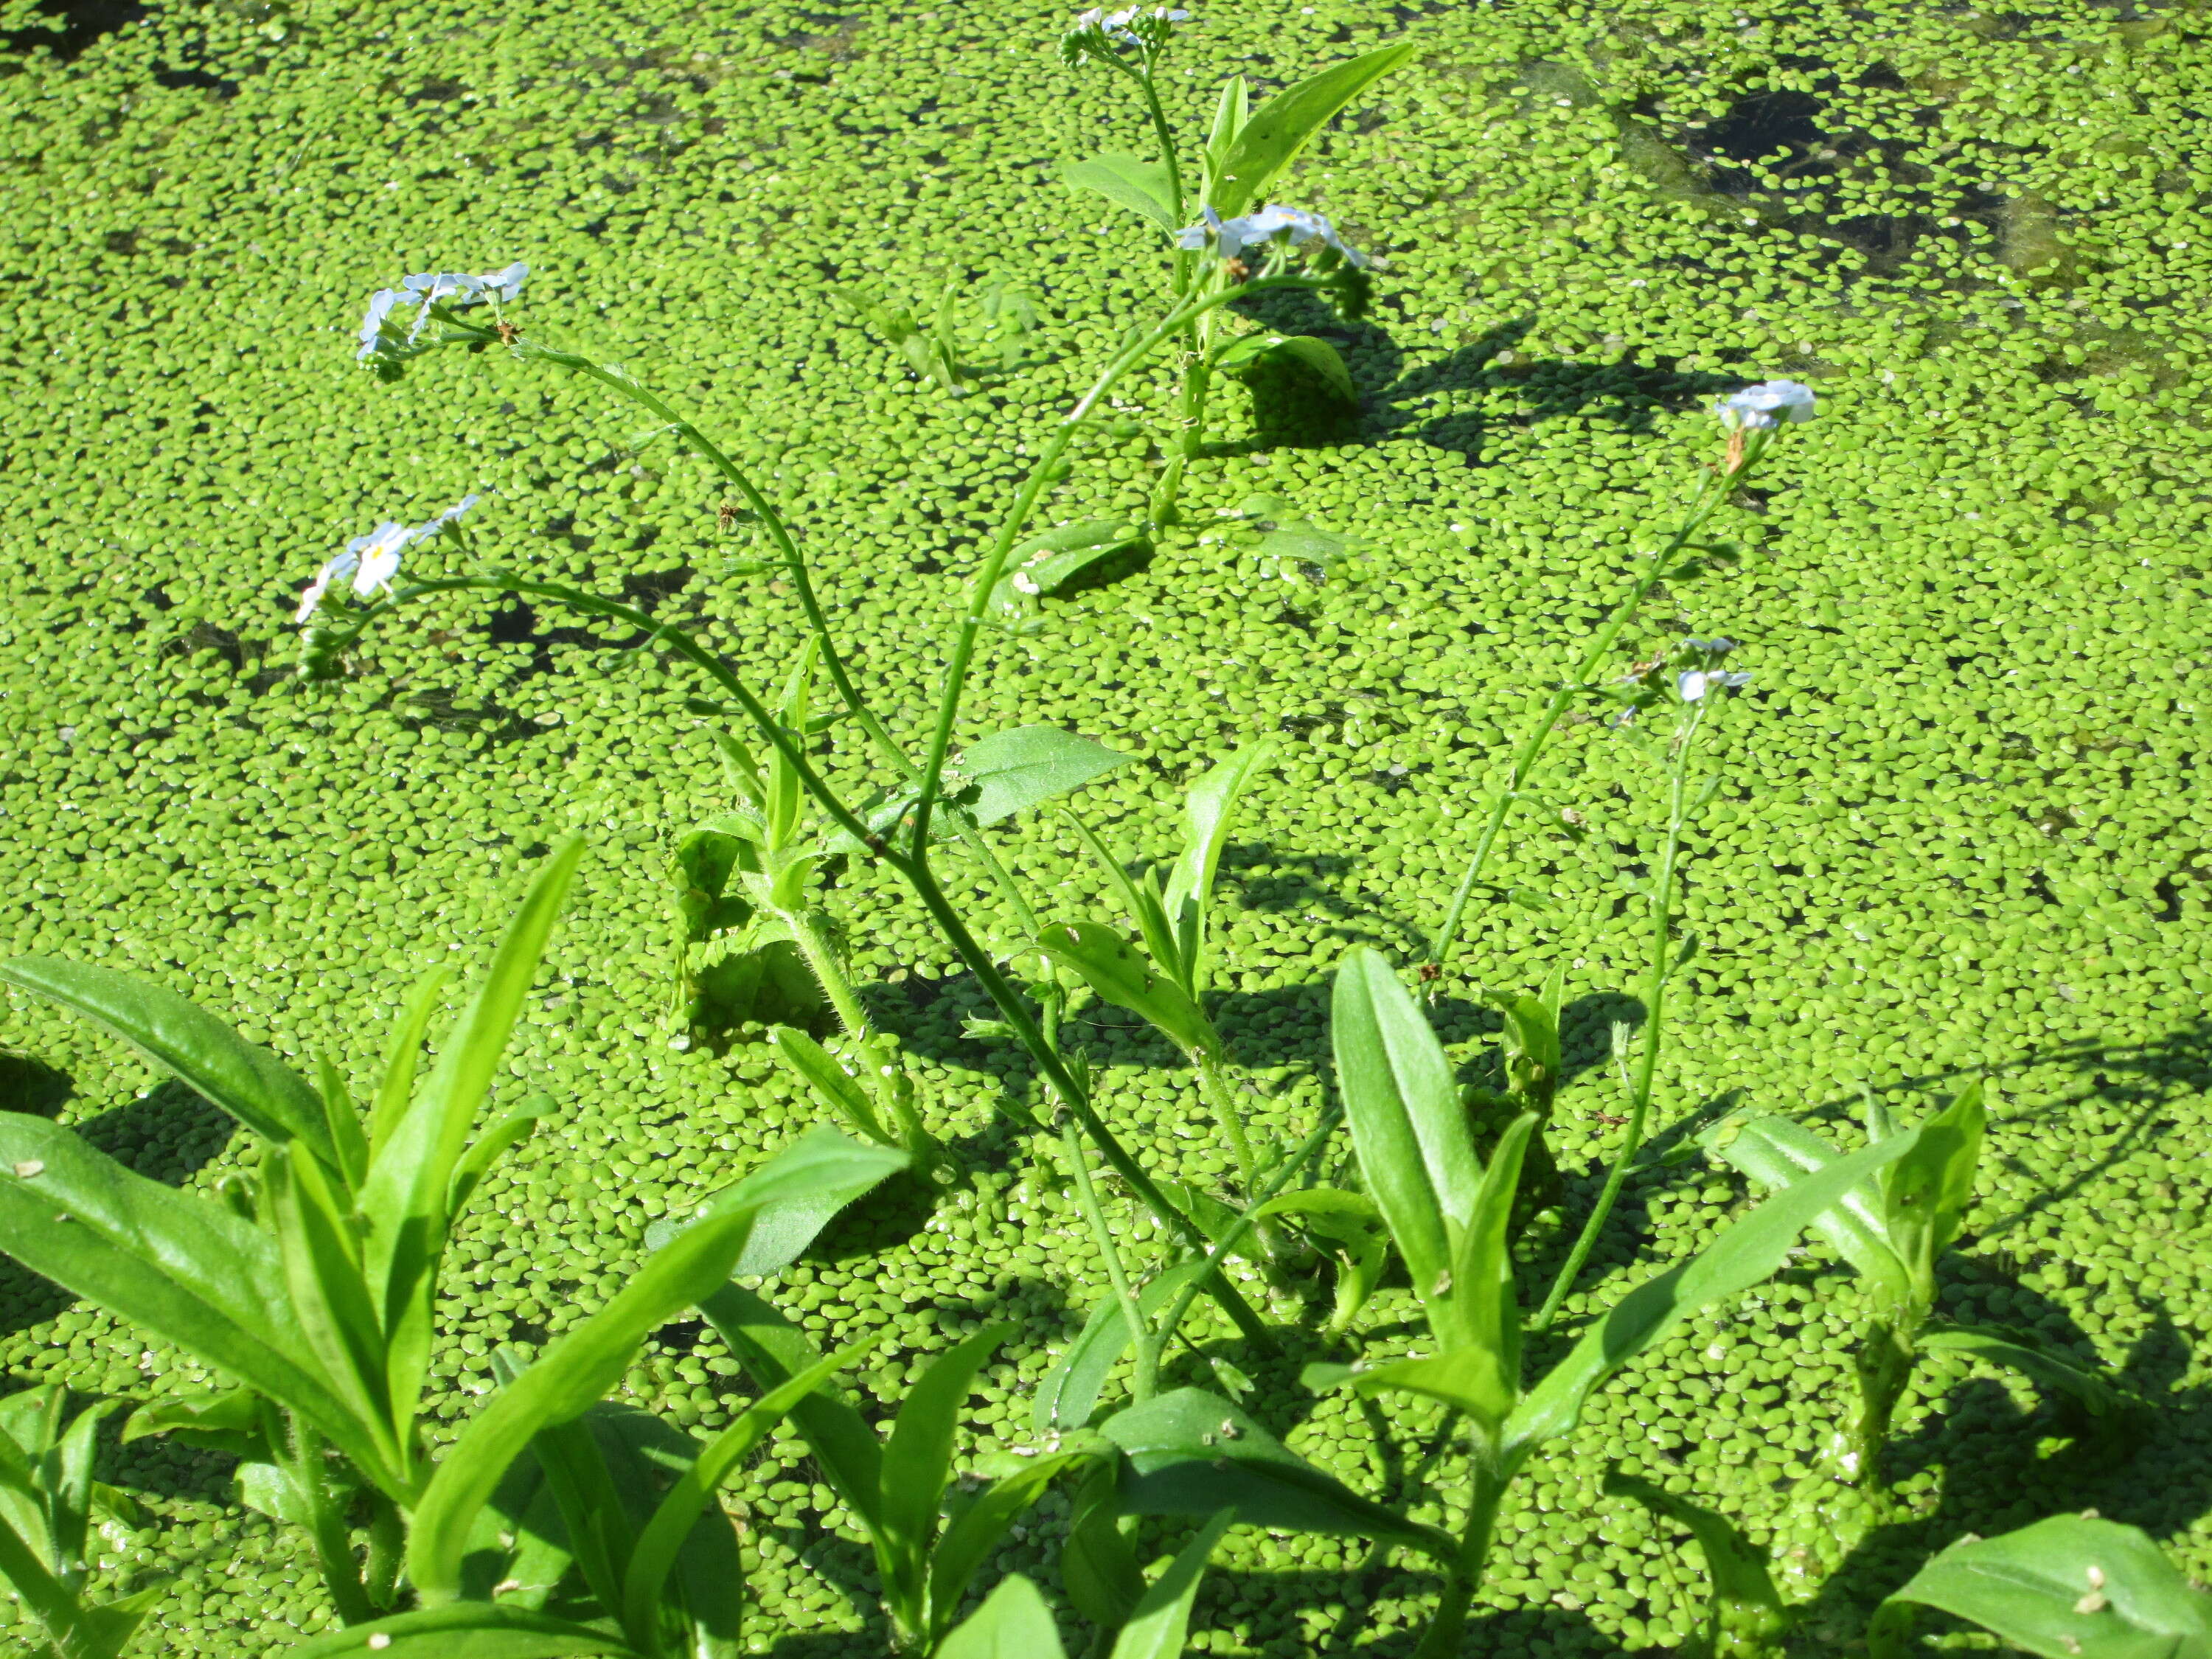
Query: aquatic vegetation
[1945,828]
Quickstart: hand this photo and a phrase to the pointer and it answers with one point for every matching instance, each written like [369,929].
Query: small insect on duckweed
[508,332]
[1607,1117]
[726,514]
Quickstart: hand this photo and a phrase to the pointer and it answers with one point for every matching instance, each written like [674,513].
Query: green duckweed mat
[1963,829]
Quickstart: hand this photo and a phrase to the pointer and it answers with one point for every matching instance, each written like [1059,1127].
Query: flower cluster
[372,561]
[1101,34]
[430,288]
[1770,404]
[1691,670]
[1272,226]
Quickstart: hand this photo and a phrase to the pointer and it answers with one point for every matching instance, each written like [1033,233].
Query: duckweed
[1960,831]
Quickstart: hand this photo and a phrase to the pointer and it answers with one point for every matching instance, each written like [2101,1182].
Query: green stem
[1140,1333]
[1656,974]
[1164,138]
[809,931]
[1218,1254]
[326,1526]
[387,1548]
[1190,436]
[1539,735]
[1884,1365]
[1463,1575]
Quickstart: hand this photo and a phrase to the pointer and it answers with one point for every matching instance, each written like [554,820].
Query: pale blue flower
[371,326]
[377,555]
[459,288]
[1770,404]
[1299,228]
[1693,683]
[1197,235]
[338,568]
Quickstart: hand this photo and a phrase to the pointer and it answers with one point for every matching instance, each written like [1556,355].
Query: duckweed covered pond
[1960,831]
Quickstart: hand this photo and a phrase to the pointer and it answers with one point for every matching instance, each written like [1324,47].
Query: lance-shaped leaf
[1013,1623]
[1408,1125]
[173,1264]
[571,1374]
[397,1087]
[773,1351]
[1045,563]
[1207,812]
[1317,356]
[251,1083]
[419,1147]
[1069,1393]
[1275,132]
[1230,114]
[1747,1616]
[832,1083]
[1926,1195]
[977,1530]
[1162,1619]
[1147,907]
[2072,1587]
[1192,1452]
[818,1174]
[1142,187]
[2026,1353]
[1746,1254]
[1776,1152]
[230,1423]
[321,1252]
[466,1630]
[918,1457]
[1012,771]
[1118,972]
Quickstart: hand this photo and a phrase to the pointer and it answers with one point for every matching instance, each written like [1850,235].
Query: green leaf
[1012,771]
[515,1127]
[173,1264]
[2023,1352]
[1147,907]
[1192,1452]
[343,1119]
[1129,182]
[832,1085]
[1353,1226]
[773,1351]
[1013,1623]
[411,1171]
[1069,1392]
[784,1226]
[1745,1253]
[1323,361]
[580,1367]
[321,1251]
[1189,897]
[1098,1567]
[1156,1629]
[1118,972]
[1279,129]
[917,1460]
[1045,563]
[1408,1126]
[1926,1195]
[1776,1152]
[1747,1617]
[229,1422]
[2069,1588]
[975,1529]
[1230,115]
[466,1630]
[214,1062]
[398,1087]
